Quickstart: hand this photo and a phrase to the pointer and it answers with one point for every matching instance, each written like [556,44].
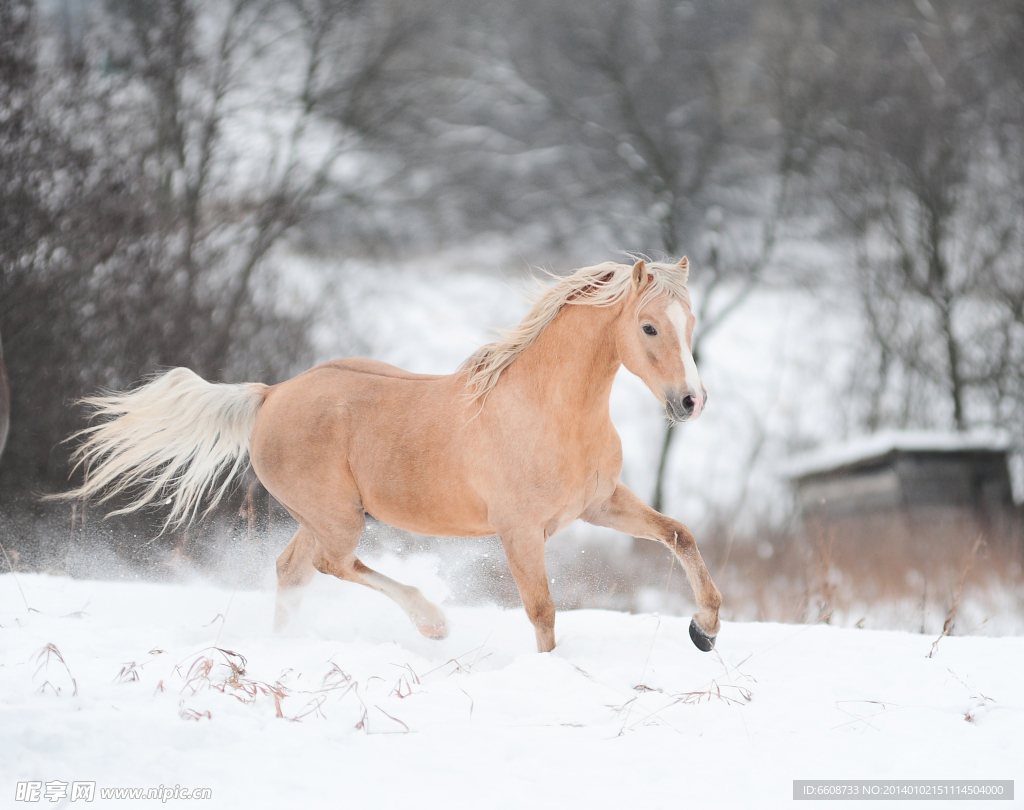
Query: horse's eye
[650,330]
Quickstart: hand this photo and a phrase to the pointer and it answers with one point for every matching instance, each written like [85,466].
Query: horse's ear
[683,263]
[640,277]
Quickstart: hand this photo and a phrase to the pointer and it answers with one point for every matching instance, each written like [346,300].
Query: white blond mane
[600,286]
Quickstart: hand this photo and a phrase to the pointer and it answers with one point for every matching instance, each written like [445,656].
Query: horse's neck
[574,360]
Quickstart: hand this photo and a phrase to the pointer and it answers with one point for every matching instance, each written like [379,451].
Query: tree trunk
[666,447]
[5,402]
[659,485]
[956,382]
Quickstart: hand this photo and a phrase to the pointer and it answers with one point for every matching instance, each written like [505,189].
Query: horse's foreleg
[294,572]
[525,553]
[625,512]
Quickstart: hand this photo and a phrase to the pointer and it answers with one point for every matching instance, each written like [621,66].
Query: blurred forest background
[210,184]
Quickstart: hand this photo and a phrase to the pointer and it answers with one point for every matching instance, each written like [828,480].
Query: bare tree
[5,403]
[147,181]
[40,227]
[217,210]
[683,130]
[924,115]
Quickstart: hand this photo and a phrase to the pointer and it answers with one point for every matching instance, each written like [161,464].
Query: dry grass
[44,658]
[947,626]
[225,671]
[738,695]
[892,574]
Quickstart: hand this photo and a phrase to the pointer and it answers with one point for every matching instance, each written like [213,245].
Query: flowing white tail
[178,433]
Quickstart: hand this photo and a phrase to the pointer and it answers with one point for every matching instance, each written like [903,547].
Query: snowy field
[142,685]
[133,684]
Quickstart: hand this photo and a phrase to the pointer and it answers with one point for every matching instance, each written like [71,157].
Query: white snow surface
[878,444]
[625,713]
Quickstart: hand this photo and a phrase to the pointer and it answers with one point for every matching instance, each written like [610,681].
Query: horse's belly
[426,509]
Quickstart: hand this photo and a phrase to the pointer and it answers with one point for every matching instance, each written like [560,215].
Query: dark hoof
[704,642]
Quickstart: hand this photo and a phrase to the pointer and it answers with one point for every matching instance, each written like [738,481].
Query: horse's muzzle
[685,407]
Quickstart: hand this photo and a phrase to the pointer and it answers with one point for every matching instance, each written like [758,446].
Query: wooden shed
[908,498]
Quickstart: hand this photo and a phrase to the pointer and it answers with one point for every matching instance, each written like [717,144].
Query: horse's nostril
[688,403]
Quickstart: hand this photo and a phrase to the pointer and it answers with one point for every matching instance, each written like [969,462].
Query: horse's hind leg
[428,617]
[294,572]
[335,554]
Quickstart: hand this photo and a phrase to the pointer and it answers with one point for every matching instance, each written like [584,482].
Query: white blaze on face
[677,316]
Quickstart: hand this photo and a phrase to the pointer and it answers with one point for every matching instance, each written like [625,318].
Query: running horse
[517,442]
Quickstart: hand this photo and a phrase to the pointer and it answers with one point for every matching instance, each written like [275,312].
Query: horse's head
[655,339]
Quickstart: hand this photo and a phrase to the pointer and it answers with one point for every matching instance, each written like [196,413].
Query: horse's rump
[393,442]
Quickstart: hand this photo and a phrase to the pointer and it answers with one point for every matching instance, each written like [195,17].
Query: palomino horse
[518,443]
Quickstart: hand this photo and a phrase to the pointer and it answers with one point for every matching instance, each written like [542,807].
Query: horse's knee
[542,616]
[678,538]
[542,613]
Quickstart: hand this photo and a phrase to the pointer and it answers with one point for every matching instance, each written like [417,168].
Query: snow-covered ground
[142,685]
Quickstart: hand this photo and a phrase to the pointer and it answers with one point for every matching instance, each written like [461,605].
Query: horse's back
[363,365]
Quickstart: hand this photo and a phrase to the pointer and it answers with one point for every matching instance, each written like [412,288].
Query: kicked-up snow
[140,685]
